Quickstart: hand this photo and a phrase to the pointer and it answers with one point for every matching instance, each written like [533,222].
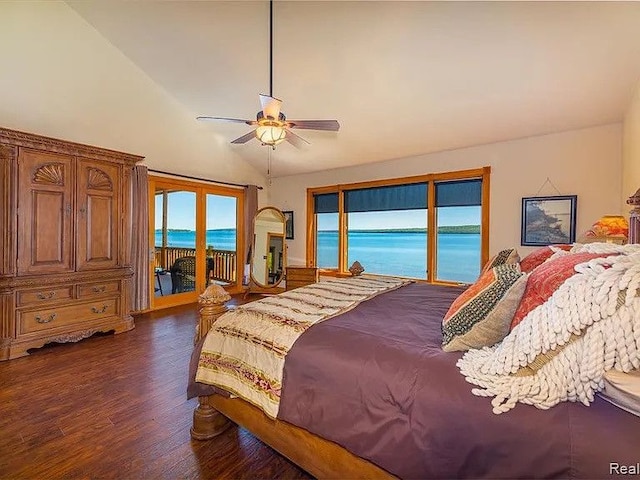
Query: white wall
[586,162]
[631,150]
[61,78]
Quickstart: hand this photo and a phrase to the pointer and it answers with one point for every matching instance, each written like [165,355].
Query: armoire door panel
[45,217]
[99,229]
[98,224]
[48,215]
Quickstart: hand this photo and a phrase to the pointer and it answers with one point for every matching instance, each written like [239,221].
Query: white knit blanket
[593,319]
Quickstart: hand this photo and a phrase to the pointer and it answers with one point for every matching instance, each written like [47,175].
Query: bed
[369,392]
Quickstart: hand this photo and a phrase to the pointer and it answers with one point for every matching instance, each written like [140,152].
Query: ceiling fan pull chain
[269,167]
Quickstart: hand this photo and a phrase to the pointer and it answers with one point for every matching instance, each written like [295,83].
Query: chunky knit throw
[562,348]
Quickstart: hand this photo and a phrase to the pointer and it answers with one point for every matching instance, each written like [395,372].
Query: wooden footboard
[319,457]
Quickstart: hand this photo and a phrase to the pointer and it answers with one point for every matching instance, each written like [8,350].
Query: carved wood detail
[8,156]
[98,180]
[207,421]
[73,337]
[40,142]
[30,165]
[49,174]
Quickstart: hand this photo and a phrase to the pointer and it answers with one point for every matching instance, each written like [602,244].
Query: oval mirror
[269,255]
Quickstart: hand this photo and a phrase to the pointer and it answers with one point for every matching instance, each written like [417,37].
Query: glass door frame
[201,190]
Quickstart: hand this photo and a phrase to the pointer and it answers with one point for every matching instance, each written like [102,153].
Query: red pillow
[546,279]
[539,256]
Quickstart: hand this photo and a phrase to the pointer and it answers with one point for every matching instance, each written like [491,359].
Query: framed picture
[288,217]
[548,220]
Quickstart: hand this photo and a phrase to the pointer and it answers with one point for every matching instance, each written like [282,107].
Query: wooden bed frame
[215,413]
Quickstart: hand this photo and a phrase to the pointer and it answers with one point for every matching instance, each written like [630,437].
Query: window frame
[431,179]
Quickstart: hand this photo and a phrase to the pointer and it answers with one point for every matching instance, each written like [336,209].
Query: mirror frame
[255,284]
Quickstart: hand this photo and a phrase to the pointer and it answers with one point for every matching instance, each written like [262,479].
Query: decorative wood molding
[72,277]
[7,327]
[74,336]
[49,174]
[8,155]
[40,142]
[99,180]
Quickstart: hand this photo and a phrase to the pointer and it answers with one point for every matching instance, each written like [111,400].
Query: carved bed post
[634,218]
[207,421]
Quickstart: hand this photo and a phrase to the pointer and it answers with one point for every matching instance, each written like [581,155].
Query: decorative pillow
[481,315]
[546,279]
[561,350]
[540,255]
[503,257]
[623,390]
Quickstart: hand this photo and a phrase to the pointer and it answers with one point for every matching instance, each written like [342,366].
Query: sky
[447,216]
[221,213]
[181,211]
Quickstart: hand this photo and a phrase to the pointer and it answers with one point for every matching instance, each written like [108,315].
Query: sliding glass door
[196,230]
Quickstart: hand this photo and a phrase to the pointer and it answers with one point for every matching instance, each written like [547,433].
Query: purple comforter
[376,381]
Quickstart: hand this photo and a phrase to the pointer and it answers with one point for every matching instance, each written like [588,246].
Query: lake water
[391,253]
[405,253]
[221,239]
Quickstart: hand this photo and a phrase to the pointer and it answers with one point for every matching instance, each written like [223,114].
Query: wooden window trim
[483,173]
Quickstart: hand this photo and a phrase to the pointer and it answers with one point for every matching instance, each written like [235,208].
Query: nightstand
[299,276]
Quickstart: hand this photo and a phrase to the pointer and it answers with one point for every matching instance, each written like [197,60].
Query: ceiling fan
[272,127]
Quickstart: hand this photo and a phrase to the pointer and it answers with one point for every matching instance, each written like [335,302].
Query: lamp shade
[270,135]
[612,228]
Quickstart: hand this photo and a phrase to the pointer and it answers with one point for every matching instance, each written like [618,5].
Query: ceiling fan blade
[245,138]
[329,125]
[270,106]
[225,119]
[295,139]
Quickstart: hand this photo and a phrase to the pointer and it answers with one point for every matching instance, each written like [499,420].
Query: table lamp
[608,229]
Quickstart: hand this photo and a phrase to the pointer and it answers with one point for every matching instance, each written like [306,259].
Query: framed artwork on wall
[288,217]
[548,220]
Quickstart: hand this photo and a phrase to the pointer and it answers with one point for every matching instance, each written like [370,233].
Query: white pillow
[623,390]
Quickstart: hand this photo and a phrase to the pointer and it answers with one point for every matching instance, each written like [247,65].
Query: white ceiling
[402,78]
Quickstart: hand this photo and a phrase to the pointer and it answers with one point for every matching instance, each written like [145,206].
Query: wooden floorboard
[115,406]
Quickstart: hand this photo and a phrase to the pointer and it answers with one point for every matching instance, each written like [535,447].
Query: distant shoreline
[461,229]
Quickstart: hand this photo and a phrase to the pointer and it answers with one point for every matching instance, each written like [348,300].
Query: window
[326,238]
[387,229]
[431,227]
[458,220]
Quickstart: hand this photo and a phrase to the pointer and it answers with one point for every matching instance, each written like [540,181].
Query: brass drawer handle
[99,289]
[50,318]
[45,296]
[100,310]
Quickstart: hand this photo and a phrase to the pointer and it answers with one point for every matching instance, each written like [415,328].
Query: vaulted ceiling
[402,78]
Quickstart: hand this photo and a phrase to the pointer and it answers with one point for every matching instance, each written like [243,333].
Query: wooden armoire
[65,241]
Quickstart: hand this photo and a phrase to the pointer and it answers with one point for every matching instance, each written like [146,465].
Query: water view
[396,252]
[219,239]
[404,253]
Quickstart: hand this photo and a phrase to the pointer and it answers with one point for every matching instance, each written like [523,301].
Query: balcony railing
[221,264]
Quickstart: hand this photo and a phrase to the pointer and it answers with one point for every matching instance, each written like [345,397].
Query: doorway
[196,235]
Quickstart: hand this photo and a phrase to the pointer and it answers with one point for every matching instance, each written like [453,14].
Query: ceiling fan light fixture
[271,135]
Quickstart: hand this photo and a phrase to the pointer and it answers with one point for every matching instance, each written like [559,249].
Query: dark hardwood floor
[115,406]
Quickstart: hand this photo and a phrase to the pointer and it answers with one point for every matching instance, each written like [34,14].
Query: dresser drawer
[90,290]
[300,276]
[44,295]
[54,317]
[305,274]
